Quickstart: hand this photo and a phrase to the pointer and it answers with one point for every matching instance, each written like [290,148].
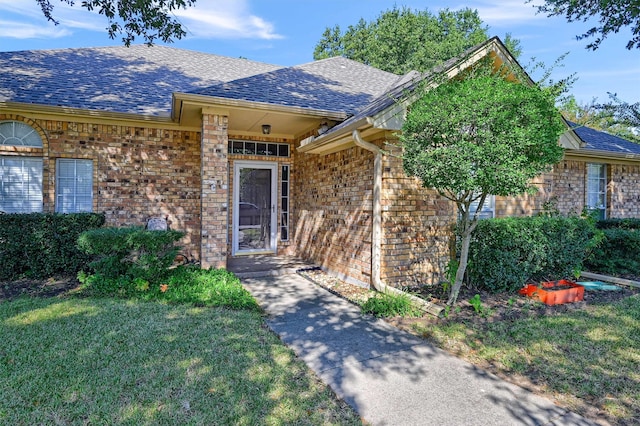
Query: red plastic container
[555,292]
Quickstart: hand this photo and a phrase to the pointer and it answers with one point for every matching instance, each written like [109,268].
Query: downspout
[376,231]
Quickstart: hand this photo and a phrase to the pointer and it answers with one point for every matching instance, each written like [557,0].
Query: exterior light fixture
[266,129]
[324,127]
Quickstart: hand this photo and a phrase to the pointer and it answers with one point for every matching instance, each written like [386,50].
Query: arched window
[20,176]
[17,133]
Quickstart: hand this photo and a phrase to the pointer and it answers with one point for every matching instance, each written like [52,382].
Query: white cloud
[208,19]
[503,12]
[21,30]
[225,19]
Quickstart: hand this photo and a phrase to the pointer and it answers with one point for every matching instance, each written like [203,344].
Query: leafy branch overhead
[150,19]
[612,15]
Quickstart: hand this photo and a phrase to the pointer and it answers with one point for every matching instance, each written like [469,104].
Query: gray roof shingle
[602,141]
[334,84]
[138,79]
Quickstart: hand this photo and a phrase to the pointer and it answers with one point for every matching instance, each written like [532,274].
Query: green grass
[588,357]
[390,305]
[184,284]
[104,361]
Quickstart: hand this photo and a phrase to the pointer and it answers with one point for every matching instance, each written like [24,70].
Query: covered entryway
[254,207]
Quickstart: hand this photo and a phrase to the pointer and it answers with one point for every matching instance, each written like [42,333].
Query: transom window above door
[259,148]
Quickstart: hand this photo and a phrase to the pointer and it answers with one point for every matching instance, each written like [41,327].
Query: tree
[401,40]
[478,136]
[613,15]
[149,18]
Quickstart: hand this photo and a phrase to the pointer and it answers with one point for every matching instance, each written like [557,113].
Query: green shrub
[124,255]
[619,252]
[183,284]
[40,245]
[626,223]
[506,253]
[390,305]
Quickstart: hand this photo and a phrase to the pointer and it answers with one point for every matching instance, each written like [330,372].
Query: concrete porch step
[265,265]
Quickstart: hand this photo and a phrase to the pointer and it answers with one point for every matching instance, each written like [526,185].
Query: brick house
[251,158]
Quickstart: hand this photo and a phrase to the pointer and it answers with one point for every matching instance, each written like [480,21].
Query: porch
[265,265]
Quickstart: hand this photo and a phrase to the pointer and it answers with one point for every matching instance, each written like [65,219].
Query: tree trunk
[462,267]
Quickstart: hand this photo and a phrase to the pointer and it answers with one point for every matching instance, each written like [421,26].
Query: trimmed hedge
[129,256]
[627,223]
[41,245]
[618,254]
[507,253]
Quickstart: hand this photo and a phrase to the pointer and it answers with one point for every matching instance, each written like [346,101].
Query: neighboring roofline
[83,113]
[204,100]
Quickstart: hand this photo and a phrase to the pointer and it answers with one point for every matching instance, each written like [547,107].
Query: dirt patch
[38,288]
[509,307]
[492,307]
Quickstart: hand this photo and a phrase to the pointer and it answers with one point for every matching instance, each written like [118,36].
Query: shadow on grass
[587,358]
[74,361]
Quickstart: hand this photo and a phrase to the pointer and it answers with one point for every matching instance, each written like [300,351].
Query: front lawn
[104,361]
[587,359]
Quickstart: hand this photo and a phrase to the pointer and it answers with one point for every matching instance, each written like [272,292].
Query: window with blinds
[74,185]
[20,184]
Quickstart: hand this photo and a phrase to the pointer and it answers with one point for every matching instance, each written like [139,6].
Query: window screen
[74,186]
[20,184]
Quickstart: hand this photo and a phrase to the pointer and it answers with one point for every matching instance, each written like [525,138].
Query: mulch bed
[38,288]
[496,307]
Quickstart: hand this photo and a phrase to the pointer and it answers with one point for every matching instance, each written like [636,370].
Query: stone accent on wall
[332,208]
[214,191]
[139,172]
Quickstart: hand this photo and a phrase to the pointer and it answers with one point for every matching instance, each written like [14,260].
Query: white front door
[255,198]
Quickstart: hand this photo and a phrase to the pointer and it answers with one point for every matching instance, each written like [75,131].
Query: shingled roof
[141,79]
[334,84]
[601,141]
[138,79]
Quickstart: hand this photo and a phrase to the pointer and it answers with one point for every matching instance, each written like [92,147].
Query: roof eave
[204,100]
[603,155]
[83,113]
[332,142]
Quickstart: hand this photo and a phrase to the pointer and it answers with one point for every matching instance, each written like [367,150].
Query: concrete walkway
[387,375]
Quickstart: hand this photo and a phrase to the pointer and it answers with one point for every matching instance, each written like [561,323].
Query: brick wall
[215,191]
[138,171]
[565,187]
[332,208]
[624,187]
[417,226]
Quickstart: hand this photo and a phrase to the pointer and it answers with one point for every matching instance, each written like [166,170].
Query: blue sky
[284,32]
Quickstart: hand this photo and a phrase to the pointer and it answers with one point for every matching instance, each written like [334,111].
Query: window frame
[488,210]
[25,196]
[600,193]
[76,206]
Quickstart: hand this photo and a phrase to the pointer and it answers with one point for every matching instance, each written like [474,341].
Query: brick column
[215,190]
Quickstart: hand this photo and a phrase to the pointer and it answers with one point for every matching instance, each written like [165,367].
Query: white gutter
[376,231]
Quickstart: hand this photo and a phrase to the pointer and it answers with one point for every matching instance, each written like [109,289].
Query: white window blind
[74,185]
[20,184]
[488,208]
[597,189]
